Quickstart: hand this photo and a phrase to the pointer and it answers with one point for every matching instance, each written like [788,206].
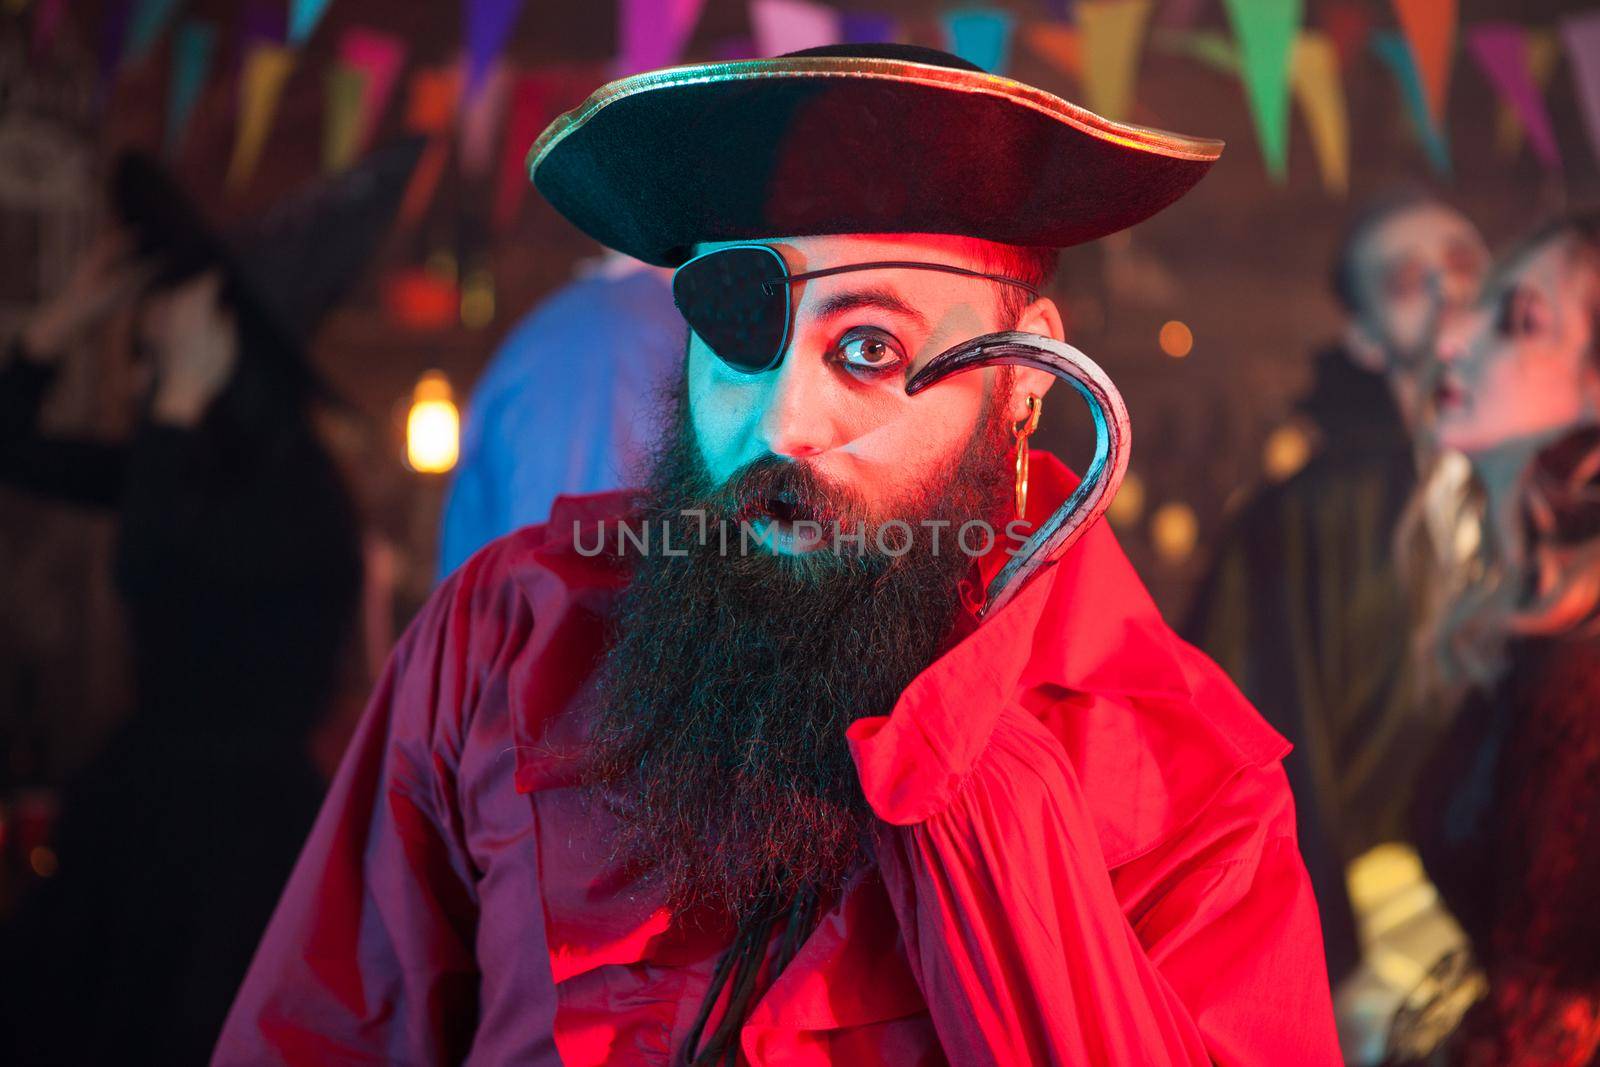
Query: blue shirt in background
[569,404]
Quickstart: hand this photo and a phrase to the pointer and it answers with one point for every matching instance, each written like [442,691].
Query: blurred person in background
[1507,813]
[565,404]
[1301,605]
[239,567]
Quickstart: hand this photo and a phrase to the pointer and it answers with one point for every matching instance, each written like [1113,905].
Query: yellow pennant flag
[1112,36]
[1057,45]
[266,69]
[1319,90]
[341,116]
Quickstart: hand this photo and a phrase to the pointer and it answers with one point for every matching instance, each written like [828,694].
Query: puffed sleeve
[1024,952]
[369,957]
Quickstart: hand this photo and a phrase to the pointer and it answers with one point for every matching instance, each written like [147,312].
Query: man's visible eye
[1522,313]
[867,348]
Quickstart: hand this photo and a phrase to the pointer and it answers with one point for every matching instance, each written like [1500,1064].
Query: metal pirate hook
[1112,440]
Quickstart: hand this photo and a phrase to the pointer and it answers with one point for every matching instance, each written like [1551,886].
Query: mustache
[786,489]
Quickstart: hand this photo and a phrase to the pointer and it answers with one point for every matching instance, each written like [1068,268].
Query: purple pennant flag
[859,28]
[263,20]
[727,48]
[1582,34]
[113,33]
[1501,49]
[489,24]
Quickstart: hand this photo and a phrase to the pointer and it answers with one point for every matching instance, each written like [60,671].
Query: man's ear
[1041,317]
[1364,350]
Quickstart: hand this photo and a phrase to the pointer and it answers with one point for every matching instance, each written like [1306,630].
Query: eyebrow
[875,296]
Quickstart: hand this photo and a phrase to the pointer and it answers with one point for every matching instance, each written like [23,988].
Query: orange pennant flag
[266,70]
[1058,45]
[1430,29]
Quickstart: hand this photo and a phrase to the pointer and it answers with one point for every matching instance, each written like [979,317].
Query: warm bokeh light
[1175,339]
[43,861]
[1128,505]
[433,426]
[1286,450]
[1174,531]
[477,300]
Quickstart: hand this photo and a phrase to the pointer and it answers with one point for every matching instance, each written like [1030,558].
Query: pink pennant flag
[1501,49]
[789,25]
[480,120]
[381,57]
[530,107]
[46,23]
[652,33]
[1582,36]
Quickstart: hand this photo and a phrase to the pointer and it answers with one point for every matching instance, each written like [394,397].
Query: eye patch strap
[1112,439]
[770,285]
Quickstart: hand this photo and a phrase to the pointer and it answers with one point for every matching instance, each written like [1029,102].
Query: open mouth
[784,522]
[1449,394]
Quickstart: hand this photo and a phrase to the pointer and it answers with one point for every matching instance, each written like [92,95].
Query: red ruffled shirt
[1086,856]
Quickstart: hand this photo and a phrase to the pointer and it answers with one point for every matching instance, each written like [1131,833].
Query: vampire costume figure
[851,738]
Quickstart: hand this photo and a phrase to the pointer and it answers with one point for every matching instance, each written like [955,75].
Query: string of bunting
[482,108]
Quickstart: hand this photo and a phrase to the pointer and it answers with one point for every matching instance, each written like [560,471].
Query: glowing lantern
[433,426]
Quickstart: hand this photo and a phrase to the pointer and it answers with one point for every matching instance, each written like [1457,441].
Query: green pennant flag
[1266,30]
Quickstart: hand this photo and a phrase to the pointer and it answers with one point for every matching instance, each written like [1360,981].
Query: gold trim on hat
[1139,138]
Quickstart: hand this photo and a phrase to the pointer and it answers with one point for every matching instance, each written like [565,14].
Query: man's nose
[797,420]
[1459,327]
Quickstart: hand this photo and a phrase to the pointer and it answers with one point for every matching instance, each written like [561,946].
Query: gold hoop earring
[1024,430]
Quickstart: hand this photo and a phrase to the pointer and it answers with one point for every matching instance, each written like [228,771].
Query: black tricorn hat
[293,263]
[859,138]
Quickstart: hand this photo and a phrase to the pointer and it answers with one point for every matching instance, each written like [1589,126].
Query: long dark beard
[720,744]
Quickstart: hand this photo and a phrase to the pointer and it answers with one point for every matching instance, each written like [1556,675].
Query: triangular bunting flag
[489,26]
[1430,29]
[1266,31]
[380,57]
[480,121]
[1347,24]
[1314,73]
[150,18]
[1060,46]
[1396,55]
[47,23]
[1112,35]
[261,81]
[303,18]
[981,36]
[529,112]
[653,33]
[1582,36]
[192,48]
[857,27]
[789,25]
[1501,49]
[341,117]
[1212,47]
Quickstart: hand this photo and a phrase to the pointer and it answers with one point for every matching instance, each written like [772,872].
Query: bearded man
[798,756]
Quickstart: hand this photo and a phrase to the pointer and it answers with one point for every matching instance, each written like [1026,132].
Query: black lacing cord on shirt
[741,964]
